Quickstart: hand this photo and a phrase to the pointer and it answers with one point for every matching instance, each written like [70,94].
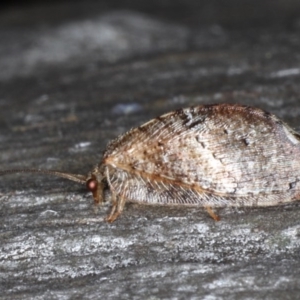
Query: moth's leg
[113,208]
[118,206]
[212,213]
[98,194]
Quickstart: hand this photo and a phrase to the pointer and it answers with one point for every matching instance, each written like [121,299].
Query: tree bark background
[75,76]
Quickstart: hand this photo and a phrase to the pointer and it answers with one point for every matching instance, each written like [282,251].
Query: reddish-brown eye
[92,184]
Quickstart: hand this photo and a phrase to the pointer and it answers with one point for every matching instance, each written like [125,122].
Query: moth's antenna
[74,177]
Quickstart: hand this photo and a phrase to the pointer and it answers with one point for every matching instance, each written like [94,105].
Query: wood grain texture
[53,244]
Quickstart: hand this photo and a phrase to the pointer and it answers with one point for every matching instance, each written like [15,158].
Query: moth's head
[96,183]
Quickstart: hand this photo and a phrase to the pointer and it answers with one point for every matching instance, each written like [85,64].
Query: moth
[207,156]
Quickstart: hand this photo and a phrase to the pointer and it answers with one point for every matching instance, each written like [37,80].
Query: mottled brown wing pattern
[217,155]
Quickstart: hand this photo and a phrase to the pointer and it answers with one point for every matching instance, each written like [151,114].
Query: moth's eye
[92,185]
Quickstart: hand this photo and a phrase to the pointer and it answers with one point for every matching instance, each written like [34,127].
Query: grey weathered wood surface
[69,86]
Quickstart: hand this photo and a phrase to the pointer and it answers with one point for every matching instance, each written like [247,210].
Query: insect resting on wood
[208,156]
